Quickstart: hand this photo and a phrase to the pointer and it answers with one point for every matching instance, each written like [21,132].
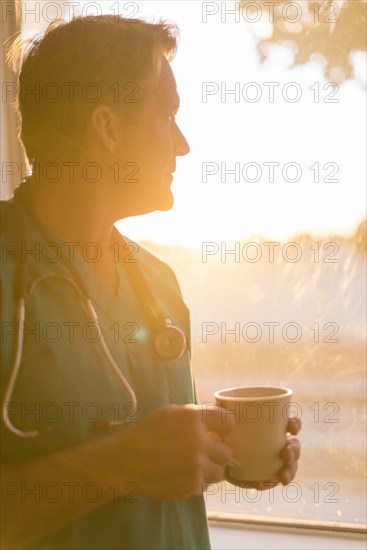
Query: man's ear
[105,127]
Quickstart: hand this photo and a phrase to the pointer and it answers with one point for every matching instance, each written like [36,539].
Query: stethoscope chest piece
[170,343]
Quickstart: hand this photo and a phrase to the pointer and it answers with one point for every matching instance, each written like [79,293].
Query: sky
[307,123]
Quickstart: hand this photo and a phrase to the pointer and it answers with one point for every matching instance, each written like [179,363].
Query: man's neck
[80,218]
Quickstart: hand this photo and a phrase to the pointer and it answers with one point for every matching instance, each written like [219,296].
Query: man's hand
[290,456]
[291,452]
[172,454]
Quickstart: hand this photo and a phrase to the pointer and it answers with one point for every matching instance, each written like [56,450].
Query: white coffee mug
[261,418]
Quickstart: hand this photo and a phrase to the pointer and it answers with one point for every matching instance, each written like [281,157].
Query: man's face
[152,145]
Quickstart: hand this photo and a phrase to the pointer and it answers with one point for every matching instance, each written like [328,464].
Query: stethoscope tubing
[14,375]
[92,316]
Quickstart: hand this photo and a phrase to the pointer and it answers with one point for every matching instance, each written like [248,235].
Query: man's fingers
[214,473]
[218,420]
[286,474]
[290,455]
[292,450]
[217,450]
[294,425]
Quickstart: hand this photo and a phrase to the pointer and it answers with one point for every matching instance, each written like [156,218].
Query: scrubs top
[66,388]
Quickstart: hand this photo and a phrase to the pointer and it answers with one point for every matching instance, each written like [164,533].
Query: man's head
[100,89]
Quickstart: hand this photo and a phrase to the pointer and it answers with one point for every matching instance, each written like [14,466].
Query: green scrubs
[67,390]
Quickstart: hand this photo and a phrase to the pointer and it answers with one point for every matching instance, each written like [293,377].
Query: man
[102,448]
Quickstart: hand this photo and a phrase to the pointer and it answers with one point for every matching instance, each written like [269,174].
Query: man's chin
[166,203]
[161,203]
[166,207]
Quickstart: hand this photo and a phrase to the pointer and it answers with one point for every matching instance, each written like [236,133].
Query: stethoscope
[169,342]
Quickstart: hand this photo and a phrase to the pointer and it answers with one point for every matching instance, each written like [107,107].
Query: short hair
[65,72]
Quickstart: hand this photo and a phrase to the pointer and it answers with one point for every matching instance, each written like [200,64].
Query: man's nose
[182,148]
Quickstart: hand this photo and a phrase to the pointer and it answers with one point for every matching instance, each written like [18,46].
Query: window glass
[267,235]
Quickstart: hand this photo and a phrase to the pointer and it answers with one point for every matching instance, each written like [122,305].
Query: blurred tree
[332,29]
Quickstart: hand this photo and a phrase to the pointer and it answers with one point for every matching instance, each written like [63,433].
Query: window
[267,236]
